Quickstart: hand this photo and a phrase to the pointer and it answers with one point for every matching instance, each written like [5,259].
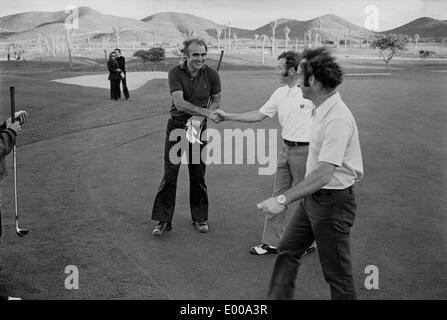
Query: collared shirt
[294,113]
[196,90]
[335,140]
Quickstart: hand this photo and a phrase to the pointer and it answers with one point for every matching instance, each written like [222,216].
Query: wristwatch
[282,200]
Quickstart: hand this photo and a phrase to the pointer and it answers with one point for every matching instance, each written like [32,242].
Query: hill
[175,25]
[331,27]
[425,27]
[29,24]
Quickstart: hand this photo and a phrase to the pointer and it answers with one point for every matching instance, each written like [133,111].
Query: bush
[151,55]
[154,55]
[424,54]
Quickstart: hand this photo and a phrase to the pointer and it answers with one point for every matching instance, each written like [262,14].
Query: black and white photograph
[239,151]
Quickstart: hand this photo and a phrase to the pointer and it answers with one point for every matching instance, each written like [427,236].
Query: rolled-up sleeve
[270,108]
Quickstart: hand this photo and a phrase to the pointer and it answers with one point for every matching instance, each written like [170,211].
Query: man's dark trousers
[125,90]
[326,216]
[164,204]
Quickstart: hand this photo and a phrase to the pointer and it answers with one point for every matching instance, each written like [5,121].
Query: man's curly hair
[292,59]
[187,43]
[322,65]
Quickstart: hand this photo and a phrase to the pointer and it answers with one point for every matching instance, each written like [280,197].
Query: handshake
[218,115]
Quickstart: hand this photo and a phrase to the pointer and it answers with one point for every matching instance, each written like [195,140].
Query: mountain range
[174,27]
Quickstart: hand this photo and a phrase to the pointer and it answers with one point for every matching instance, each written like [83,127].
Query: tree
[416,41]
[235,44]
[273,25]
[188,33]
[229,36]
[264,38]
[116,31]
[256,41]
[153,55]
[389,45]
[286,35]
[309,38]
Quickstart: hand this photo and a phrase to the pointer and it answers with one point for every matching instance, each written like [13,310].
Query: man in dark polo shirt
[191,84]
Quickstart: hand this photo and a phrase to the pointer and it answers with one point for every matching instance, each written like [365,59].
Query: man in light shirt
[327,208]
[294,115]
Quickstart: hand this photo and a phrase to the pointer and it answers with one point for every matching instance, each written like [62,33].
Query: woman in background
[114,77]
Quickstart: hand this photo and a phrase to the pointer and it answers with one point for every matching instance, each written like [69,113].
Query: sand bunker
[134,79]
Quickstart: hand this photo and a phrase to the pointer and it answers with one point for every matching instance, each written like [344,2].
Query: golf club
[20,232]
[217,69]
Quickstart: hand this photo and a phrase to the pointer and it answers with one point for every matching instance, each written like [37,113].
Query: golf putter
[20,232]
[217,69]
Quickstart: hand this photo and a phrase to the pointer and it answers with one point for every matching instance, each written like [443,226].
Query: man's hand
[214,116]
[21,116]
[270,206]
[223,114]
[16,127]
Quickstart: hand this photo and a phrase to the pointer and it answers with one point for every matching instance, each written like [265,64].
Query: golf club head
[21,232]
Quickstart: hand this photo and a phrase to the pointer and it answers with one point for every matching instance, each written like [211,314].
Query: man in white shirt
[294,115]
[327,208]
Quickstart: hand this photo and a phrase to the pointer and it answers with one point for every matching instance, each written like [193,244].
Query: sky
[251,14]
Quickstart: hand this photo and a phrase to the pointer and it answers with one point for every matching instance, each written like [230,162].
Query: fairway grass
[89,169]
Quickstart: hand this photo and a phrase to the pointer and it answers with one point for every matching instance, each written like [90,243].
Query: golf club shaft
[14,157]
[220,60]
[217,69]
[14,152]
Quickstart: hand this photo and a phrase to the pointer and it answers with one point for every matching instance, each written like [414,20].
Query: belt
[295,143]
[349,190]
[179,121]
[182,121]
